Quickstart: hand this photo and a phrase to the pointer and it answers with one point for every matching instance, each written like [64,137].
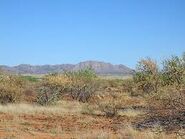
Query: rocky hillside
[99,67]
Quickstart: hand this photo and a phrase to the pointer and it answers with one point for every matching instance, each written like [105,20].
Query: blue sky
[70,31]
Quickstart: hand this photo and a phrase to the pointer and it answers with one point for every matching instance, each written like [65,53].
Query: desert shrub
[51,88]
[11,88]
[147,77]
[82,84]
[112,96]
[174,71]
[167,105]
[173,82]
[167,109]
[169,98]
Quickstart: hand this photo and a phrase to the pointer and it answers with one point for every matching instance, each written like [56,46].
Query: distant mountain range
[101,68]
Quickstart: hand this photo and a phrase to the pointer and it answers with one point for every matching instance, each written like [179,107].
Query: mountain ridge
[102,68]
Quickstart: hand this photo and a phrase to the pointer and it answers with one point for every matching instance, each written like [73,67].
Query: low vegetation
[152,103]
[11,88]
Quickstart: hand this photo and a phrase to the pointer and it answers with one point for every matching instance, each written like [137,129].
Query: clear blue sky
[70,31]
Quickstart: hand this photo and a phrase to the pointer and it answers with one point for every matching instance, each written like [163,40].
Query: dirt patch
[53,126]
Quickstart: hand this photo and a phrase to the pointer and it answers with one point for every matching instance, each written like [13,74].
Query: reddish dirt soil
[55,127]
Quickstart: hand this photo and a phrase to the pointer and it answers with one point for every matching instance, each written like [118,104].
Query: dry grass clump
[130,133]
[63,107]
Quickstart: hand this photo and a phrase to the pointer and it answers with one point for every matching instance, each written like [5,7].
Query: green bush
[174,71]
